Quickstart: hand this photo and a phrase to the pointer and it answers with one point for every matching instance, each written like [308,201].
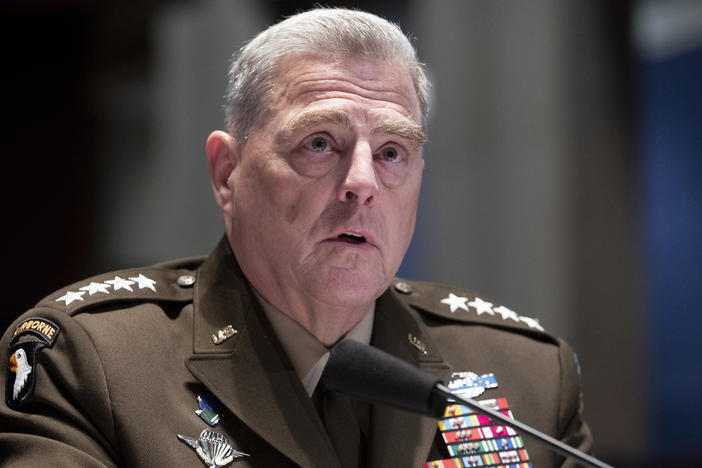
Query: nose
[360,184]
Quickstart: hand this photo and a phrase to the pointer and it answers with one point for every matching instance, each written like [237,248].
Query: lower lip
[362,246]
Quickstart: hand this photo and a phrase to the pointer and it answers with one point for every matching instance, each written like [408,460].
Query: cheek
[258,196]
[392,176]
[313,165]
[402,177]
[291,213]
[406,213]
[284,198]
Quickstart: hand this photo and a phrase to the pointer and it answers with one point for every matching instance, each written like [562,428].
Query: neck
[326,322]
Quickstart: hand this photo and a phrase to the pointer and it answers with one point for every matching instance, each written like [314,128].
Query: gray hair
[335,32]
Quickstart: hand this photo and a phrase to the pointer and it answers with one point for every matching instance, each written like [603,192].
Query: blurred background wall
[562,171]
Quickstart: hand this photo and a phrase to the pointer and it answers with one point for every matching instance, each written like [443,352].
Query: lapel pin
[224,334]
[417,343]
[213,448]
[210,408]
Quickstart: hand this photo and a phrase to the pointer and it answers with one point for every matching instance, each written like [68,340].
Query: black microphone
[369,374]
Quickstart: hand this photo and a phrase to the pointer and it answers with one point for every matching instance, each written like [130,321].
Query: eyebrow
[311,119]
[402,127]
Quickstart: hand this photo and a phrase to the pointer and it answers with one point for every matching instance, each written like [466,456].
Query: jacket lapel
[400,438]
[248,372]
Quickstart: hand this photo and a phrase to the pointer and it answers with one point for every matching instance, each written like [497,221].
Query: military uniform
[107,372]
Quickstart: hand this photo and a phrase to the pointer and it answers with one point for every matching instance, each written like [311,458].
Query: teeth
[356,239]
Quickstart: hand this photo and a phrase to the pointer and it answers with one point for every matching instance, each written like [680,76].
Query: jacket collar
[269,397]
[400,438]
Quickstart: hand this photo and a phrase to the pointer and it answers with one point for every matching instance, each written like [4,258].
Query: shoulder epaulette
[461,305]
[152,284]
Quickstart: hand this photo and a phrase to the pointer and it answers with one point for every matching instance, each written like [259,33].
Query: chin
[349,289]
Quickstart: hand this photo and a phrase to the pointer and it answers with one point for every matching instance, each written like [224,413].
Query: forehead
[377,86]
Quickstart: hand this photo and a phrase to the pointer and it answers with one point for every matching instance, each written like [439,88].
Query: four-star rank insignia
[481,307]
[39,333]
[108,287]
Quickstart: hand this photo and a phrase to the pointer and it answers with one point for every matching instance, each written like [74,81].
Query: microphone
[369,374]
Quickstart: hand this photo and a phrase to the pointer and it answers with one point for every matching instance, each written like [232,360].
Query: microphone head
[369,374]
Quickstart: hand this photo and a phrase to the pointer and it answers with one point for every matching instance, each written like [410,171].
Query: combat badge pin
[213,448]
[470,384]
[210,407]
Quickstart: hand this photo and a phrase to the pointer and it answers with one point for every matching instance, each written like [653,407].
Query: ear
[222,157]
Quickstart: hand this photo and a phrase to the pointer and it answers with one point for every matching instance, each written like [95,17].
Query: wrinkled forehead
[294,70]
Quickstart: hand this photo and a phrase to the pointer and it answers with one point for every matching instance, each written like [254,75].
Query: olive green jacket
[118,378]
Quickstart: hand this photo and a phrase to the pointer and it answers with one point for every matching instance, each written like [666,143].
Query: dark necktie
[340,416]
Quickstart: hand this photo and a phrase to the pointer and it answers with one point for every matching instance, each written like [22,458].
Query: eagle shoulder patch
[39,333]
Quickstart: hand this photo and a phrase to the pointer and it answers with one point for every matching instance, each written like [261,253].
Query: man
[318,177]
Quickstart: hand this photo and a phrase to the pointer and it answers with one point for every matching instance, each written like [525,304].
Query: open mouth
[351,238]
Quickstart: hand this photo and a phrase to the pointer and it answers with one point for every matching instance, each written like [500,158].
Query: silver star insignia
[455,302]
[481,306]
[120,283]
[94,288]
[506,313]
[533,323]
[71,296]
[144,282]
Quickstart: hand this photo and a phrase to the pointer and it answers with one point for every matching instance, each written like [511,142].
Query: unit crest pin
[210,408]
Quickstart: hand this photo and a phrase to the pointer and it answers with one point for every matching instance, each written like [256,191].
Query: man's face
[324,192]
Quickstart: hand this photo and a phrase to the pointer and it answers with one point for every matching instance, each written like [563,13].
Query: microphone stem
[555,445]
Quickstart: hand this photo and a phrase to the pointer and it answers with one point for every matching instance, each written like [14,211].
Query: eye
[315,155]
[318,144]
[389,154]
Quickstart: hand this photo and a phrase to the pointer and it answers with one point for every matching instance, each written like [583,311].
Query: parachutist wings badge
[213,448]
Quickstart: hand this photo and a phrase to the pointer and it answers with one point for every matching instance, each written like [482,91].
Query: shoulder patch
[42,328]
[38,333]
[465,306]
[20,372]
[145,284]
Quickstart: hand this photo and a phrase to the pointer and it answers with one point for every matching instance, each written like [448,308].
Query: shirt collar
[306,353]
